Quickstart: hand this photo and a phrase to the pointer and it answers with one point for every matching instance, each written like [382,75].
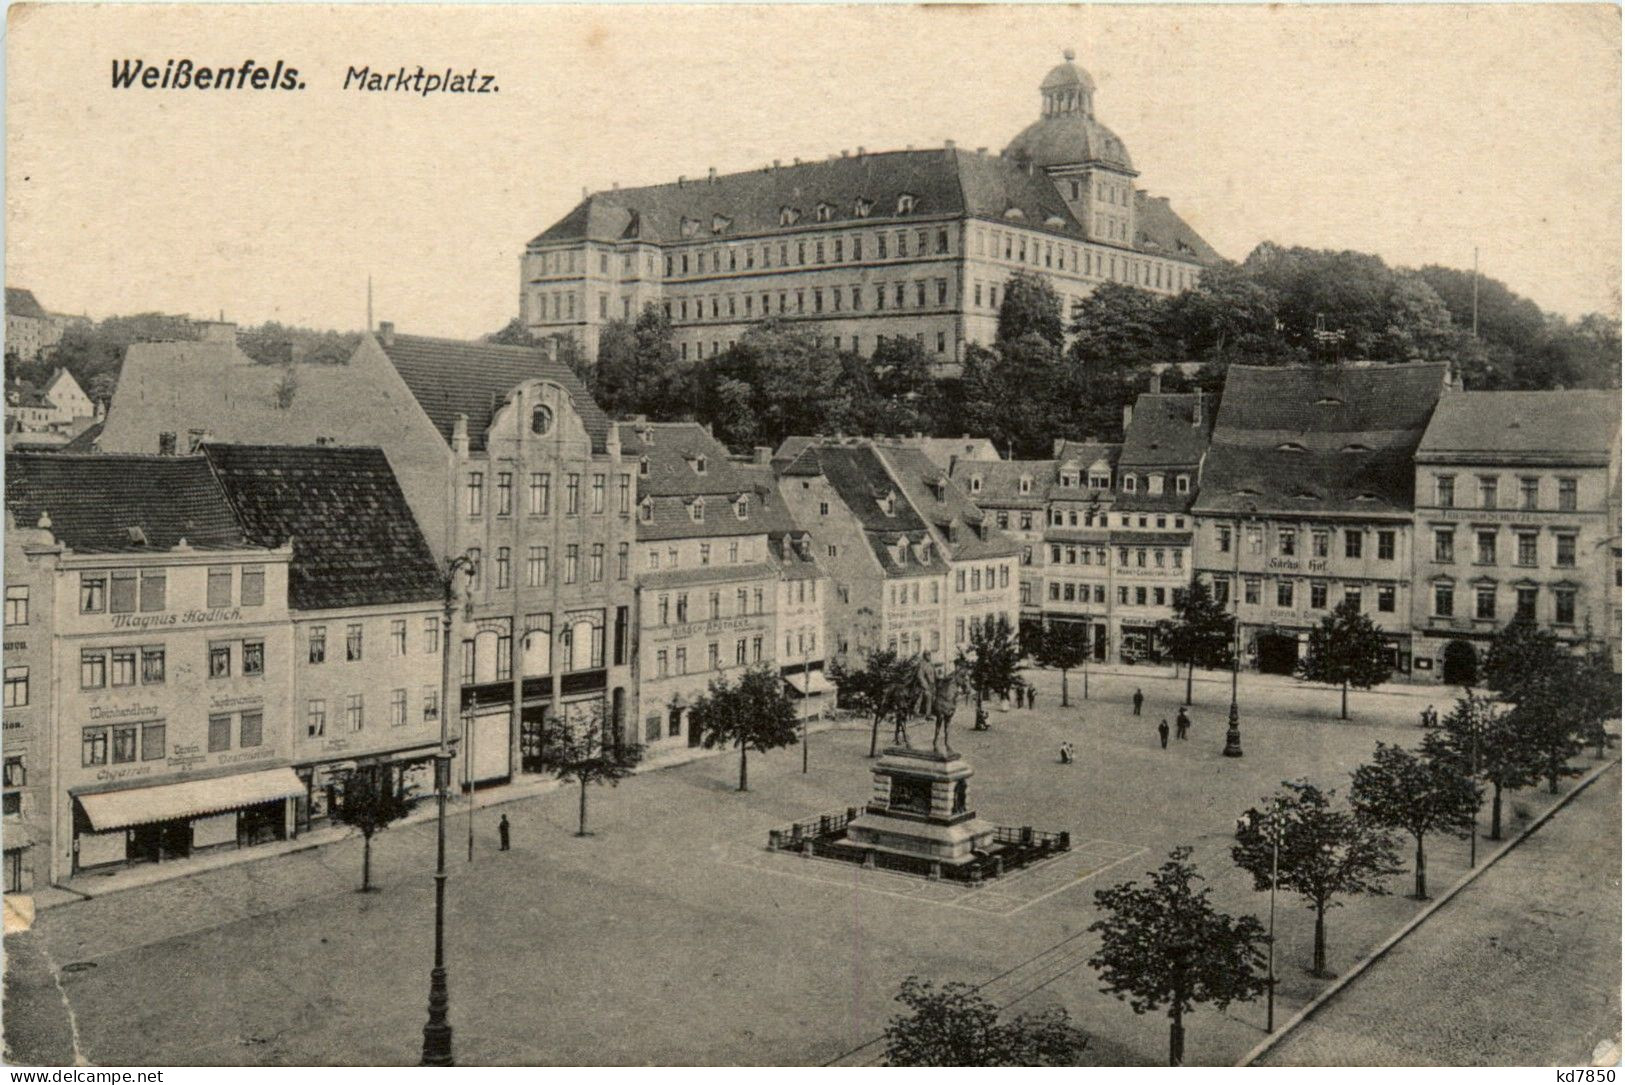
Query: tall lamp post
[437,1031]
[1232,734]
[1275,870]
[806,682]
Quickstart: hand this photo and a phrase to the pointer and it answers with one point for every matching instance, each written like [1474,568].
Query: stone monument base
[919,809]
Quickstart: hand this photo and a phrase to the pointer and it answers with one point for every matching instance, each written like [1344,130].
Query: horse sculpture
[950,687]
[930,695]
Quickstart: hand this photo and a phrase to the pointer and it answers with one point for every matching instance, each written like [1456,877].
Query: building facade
[1306,500]
[1516,516]
[167,700]
[862,246]
[32,553]
[1076,558]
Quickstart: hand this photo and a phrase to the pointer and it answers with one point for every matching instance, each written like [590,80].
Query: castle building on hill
[858,247]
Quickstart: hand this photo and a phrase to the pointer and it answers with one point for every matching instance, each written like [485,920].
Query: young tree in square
[580,751]
[755,713]
[369,800]
[993,658]
[1398,789]
[1163,944]
[1199,633]
[1345,650]
[1490,743]
[1061,645]
[1538,675]
[1324,853]
[955,1026]
[871,690]
[1597,698]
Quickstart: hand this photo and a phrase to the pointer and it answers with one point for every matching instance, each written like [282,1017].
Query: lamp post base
[1232,736]
[437,1033]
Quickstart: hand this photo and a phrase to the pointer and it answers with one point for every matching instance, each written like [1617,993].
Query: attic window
[888,505]
[646,510]
[720,223]
[699,465]
[1307,495]
[1182,247]
[1129,483]
[541,419]
[1356,447]
[788,216]
[1365,497]
[976,484]
[742,507]
[138,537]
[905,204]
[1055,222]
[1246,492]
[825,212]
[690,227]
[863,207]
[643,467]
[1026,485]
[1290,446]
[1328,401]
[696,511]
[1014,214]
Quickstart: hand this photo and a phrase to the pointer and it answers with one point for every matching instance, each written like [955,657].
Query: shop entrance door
[160,841]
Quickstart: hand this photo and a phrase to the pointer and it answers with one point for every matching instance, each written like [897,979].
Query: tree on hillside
[1029,305]
[1398,789]
[515,334]
[1345,650]
[1199,634]
[1120,327]
[369,800]
[1163,944]
[997,395]
[902,396]
[994,659]
[1324,853]
[1226,317]
[1063,646]
[795,385]
[638,371]
[871,689]
[578,750]
[755,713]
[956,1026]
[1489,742]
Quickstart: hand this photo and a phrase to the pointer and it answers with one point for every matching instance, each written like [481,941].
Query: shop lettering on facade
[183,617]
[1293,565]
[102,712]
[257,754]
[721,625]
[106,775]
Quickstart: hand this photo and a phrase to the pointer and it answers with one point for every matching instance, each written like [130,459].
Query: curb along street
[1348,977]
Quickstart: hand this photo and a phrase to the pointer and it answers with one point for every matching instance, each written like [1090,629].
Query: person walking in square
[1162,733]
[502,833]
[1139,699]
[1032,697]
[1182,724]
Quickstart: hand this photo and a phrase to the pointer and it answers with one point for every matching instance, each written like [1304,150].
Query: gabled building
[889,575]
[365,598]
[984,562]
[915,243]
[707,581]
[1076,568]
[29,328]
[1165,438]
[1517,515]
[1015,493]
[1307,499]
[160,716]
[502,455]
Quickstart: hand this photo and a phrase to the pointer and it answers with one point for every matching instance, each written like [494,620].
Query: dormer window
[1055,222]
[825,212]
[696,511]
[1182,484]
[742,507]
[905,204]
[1328,401]
[646,435]
[1356,447]
[1014,214]
[788,216]
[1026,484]
[888,505]
[690,227]
[1129,484]
[720,223]
[699,465]
[863,207]
[646,510]
[1290,446]
[1154,484]
[643,467]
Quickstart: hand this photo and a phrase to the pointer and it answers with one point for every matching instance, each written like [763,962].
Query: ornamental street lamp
[437,1031]
[1274,823]
[1232,734]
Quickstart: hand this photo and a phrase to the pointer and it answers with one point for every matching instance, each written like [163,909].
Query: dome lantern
[1068,88]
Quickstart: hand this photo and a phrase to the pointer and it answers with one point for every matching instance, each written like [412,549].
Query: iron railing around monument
[1013,847]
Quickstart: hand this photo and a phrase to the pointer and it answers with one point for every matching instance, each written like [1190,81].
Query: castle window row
[810,251]
[919,294]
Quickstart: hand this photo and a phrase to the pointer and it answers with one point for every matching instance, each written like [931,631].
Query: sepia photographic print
[811,536]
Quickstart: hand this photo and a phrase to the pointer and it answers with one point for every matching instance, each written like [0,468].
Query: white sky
[1415,133]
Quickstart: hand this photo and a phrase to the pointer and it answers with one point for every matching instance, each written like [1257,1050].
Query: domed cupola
[1066,133]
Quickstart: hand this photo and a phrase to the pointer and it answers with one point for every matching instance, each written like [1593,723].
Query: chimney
[775,165]
[860,154]
[681,179]
[948,146]
[1156,382]
[459,436]
[797,160]
[386,332]
[762,455]
[711,175]
[216,331]
[615,186]
[845,153]
[981,152]
[1128,415]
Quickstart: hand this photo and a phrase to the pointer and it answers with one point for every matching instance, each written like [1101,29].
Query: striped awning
[188,799]
[813,682]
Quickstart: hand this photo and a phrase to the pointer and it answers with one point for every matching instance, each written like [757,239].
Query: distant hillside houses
[29,328]
[48,415]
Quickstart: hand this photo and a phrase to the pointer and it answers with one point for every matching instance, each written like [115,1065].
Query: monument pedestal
[919,808]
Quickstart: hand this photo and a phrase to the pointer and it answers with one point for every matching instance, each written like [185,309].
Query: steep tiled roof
[449,377]
[970,534]
[355,542]
[1573,423]
[85,440]
[21,302]
[1163,232]
[862,482]
[1161,432]
[945,451]
[1334,440]
[674,452]
[94,500]
[1001,481]
[793,565]
[943,183]
[1087,452]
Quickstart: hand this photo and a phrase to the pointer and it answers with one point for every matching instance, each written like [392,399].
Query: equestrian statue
[928,693]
